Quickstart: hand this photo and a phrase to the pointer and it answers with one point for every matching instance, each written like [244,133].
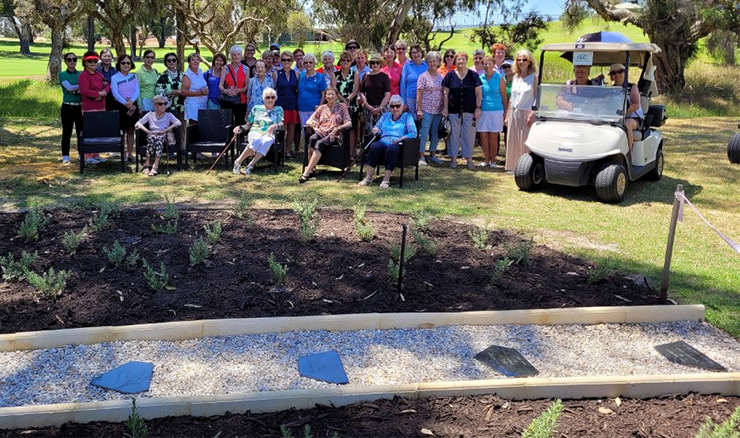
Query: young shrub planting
[49,283]
[213,232]
[33,224]
[545,425]
[132,259]
[421,219]
[71,240]
[499,267]
[601,272]
[105,211]
[362,224]
[15,270]
[171,217]
[730,428]
[198,252]
[135,424]
[279,272]
[156,280]
[520,251]
[308,218]
[479,235]
[116,255]
[394,263]
[426,243]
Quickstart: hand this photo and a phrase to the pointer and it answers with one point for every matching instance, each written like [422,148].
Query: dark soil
[335,274]
[475,416]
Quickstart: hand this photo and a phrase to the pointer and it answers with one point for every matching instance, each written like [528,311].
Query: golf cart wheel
[611,183]
[657,172]
[733,149]
[529,173]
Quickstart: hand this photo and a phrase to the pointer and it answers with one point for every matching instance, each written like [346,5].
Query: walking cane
[221,154]
[354,160]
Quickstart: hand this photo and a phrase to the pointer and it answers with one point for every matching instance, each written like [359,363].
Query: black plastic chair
[101,133]
[276,154]
[141,146]
[337,155]
[211,134]
[408,156]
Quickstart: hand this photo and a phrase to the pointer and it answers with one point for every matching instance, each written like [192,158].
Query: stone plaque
[507,361]
[684,354]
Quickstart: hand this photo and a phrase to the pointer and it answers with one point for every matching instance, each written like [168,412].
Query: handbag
[225,99]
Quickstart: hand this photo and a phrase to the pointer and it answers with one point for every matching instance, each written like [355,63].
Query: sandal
[153,172]
[146,170]
[302,179]
[385,184]
[365,182]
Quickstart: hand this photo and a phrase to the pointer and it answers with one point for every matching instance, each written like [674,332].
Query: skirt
[127,121]
[491,121]
[516,136]
[291,117]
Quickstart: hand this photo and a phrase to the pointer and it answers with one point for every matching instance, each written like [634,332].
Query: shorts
[490,121]
[291,116]
[304,116]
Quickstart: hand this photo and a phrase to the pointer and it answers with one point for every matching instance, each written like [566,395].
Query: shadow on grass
[27,98]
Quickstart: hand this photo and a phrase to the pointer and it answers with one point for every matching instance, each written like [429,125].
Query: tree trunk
[180,18]
[117,41]
[90,33]
[28,31]
[670,62]
[132,41]
[395,30]
[55,57]
[23,32]
[162,38]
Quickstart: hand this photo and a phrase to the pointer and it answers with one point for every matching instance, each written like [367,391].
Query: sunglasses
[505,67]
[286,60]
[345,60]
[477,58]
[161,103]
[402,49]
[374,62]
[396,106]
[522,60]
[308,62]
[71,59]
[618,72]
[171,60]
[270,97]
[148,57]
[352,48]
[92,61]
[125,63]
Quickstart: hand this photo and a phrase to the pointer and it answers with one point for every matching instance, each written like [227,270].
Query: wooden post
[669,248]
[403,254]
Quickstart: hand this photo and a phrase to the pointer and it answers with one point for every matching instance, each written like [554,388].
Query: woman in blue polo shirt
[311,87]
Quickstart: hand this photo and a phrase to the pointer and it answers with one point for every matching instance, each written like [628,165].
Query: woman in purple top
[287,97]
[124,86]
[213,79]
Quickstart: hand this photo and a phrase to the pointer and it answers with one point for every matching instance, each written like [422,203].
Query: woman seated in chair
[263,121]
[327,123]
[393,128]
[161,124]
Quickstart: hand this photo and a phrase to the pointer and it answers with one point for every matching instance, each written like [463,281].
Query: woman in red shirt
[93,89]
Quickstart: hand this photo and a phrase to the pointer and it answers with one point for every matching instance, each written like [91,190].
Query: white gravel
[268,362]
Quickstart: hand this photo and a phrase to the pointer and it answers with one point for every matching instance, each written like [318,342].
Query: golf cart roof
[606,53]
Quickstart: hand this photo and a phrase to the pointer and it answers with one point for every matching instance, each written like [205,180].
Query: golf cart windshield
[590,103]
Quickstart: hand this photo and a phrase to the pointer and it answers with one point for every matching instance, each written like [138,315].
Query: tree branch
[607,11]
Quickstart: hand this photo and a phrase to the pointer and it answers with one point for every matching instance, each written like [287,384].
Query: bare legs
[489,144]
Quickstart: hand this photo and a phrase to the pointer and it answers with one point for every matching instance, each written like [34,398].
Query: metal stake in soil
[669,248]
[400,262]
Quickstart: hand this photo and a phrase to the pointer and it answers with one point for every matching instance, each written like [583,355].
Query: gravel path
[268,362]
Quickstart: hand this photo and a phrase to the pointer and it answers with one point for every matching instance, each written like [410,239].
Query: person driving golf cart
[577,87]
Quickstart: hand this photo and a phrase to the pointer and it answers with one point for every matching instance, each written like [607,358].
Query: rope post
[403,254]
[669,248]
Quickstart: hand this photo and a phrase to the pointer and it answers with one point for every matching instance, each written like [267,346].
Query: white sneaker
[422,162]
[494,166]
[482,164]
[65,160]
[237,167]
[92,160]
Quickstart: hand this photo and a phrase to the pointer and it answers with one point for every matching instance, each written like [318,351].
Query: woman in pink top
[392,69]
[93,89]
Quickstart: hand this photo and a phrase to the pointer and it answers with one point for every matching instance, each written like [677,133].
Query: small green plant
[156,280]
[520,251]
[421,219]
[132,259]
[199,251]
[116,255]
[362,224]
[426,243]
[393,270]
[499,267]
[33,224]
[601,272]
[71,240]
[309,220]
[278,271]
[730,428]
[285,432]
[135,424]
[102,216]
[50,283]
[241,208]
[213,232]
[171,217]
[545,425]
[479,235]
[407,255]
[16,270]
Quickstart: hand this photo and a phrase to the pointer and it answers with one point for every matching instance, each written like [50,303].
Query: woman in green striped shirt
[147,76]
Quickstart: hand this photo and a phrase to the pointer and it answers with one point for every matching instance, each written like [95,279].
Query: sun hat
[375,57]
[616,67]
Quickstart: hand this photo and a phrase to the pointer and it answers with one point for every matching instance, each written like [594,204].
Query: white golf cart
[587,143]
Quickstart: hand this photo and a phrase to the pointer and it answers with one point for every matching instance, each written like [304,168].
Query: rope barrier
[682,199]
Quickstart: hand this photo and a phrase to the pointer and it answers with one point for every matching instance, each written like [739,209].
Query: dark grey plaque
[507,361]
[684,354]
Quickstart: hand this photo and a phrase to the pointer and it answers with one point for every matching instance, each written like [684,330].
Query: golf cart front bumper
[568,173]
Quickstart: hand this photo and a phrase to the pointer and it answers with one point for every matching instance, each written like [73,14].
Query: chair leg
[82,160]
[400,182]
[136,157]
[416,178]
[123,157]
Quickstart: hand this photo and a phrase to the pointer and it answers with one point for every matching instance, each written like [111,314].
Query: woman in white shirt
[520,116]
[194,88]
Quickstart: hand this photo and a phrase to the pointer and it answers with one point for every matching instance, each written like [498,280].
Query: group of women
[390,97]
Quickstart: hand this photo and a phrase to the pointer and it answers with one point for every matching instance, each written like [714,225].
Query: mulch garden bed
[337,273]
[474,416]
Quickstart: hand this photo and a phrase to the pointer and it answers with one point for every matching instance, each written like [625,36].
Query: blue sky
[546,7]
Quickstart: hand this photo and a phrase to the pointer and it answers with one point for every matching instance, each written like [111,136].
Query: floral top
[346,86]
[432,93]
[165,85]
[255,89]
[391,130]
[261,118]
[324,119]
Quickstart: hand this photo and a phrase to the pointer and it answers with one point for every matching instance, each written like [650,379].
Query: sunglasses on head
[618,72]
[71,59]
[161,103]
[395,106]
